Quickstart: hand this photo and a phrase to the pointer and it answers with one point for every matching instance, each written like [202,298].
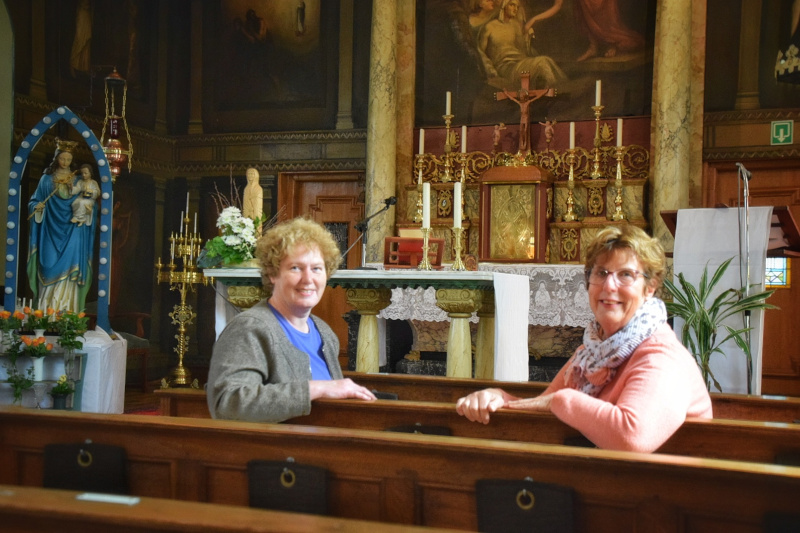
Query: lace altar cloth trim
[557,292]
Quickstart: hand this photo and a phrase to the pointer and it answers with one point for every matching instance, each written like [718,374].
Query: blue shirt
[310,343]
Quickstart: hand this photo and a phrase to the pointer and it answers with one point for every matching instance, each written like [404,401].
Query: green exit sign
[782,132]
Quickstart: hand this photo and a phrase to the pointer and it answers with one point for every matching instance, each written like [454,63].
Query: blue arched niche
[14,212]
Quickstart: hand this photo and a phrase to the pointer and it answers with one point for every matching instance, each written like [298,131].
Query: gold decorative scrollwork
[595,202]
[569,244]
[444,202]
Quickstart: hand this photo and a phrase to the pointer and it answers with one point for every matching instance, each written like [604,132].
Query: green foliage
[20,382]
[703,331]
[71,326]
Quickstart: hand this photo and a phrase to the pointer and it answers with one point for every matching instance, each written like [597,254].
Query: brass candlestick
[449,170]
[458,264]
[598,111]
[570,215]
[425,263]
[418,212]
[184,247]
[618,214]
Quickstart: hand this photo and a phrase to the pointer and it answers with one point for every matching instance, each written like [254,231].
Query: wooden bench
[410,478]
[31,509]
[192,402]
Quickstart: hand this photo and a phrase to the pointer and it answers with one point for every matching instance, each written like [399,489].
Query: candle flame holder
[425,263]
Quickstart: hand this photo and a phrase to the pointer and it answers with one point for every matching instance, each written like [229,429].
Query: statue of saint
[253,204]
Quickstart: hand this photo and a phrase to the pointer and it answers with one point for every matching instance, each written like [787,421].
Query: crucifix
[523,97]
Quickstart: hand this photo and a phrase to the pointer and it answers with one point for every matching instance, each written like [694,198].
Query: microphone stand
[744,175]
[362,227]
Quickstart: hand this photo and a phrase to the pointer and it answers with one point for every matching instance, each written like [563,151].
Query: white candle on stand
[571,135]
[172,250]
[181,222]
[187,203]
[421,141]
[426,205]
[597,98]
[457,204]
[464,139]
[447,103]
[195,222]
[619,132]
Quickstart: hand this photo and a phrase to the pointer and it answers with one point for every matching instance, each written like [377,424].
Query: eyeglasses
[624,277]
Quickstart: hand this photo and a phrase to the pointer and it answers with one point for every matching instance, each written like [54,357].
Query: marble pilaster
[749,47]
[406,95]
[368,303]
[196,68]
[344,115]
[381,125]
[484,342]
[672,108]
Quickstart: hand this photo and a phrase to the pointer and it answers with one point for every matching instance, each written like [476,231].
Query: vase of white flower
[236,243]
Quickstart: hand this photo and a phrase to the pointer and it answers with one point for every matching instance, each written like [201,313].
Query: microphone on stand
[746,175]
[362,227]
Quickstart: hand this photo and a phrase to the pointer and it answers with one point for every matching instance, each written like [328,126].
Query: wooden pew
[407,478]
[31,509]
[192,402]
[441,389]
[740,440]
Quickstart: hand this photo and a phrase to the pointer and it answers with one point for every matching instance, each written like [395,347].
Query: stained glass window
[778,270]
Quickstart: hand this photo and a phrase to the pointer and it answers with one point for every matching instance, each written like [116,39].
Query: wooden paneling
[773,183]
[327,197]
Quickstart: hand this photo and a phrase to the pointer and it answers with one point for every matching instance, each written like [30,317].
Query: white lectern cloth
[710,236]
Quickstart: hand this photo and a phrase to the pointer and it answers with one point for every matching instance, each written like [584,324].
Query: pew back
[407,478]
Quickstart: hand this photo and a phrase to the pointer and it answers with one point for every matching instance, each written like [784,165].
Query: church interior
[422,145]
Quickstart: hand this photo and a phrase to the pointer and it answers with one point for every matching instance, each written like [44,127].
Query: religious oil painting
[478,48]
[269,53]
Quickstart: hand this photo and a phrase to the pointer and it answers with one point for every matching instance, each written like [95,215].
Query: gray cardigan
[258,375]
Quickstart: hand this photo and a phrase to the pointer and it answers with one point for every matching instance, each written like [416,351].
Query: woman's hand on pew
[539,403]
[478,406]
[338,389]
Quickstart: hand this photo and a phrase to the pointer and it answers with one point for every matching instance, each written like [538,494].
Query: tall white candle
[619,132]
[447,103]
[187,203]
[457,204]
[426,205]
[172,250]
[464,139]
[195,222]
[181,222]
[421,141]
[571,135]
[597,98]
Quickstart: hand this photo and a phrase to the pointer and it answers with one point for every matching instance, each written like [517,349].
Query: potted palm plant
[703,312]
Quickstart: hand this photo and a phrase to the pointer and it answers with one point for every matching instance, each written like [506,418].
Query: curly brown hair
[280,240]
[647,250]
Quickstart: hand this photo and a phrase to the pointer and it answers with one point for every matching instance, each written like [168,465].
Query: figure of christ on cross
[524,97]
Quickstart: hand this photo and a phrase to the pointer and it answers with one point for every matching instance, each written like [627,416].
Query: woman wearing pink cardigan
[631,384]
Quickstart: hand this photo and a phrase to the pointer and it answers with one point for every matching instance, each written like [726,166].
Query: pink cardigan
[644,404]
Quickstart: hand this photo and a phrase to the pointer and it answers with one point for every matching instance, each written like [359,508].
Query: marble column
[484,344]
[368,303]
[344,115]
[749,47]
[381,126]
[459,304]
[406,96]
[673,130]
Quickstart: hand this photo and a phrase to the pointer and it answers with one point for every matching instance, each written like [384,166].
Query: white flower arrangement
[237,242]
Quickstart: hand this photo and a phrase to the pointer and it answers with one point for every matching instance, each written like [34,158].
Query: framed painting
[476,48]
[272,65]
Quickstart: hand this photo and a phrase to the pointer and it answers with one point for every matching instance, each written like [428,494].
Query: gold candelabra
[618,214]
[598,111]
[570,216]
[449,143]
[184,249]
[458,264]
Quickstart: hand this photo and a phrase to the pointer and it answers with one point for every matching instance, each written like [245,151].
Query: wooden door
[335,199]
[773,183]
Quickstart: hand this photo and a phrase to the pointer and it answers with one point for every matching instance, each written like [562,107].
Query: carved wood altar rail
[410,478]
[192,403]
[29,509]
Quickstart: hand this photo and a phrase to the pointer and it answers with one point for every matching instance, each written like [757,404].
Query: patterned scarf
[596,362]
